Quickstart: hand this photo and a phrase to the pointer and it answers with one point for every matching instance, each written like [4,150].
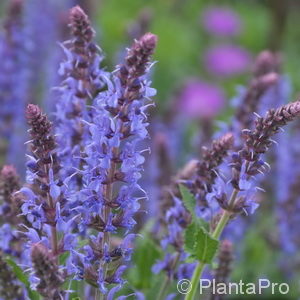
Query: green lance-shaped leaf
[63,257]
[190,236]
[189,202]
[33,295]
[197,240]
[205,247]
[188,199]
[199,244]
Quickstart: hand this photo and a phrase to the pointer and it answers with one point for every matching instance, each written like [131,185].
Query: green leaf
[144,257]
[33,295]
[63,257]
[199,244]
[75,287]
[205,247]
[190,204]
[189,237]
[188,199]
[18,271]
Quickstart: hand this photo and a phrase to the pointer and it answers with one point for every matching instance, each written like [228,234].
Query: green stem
[215,234]
[225,216]
[195,281]
[163,288]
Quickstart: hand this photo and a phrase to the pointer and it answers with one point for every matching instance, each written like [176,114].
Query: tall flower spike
[199,178]
[44,199]
[10,288]
[258,141]
[46,270]
[44,206]
[208,169]
[81,80]
[114,162]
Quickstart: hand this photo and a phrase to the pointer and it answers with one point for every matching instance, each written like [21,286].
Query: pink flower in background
[200,99]
[227,60]
[221,21]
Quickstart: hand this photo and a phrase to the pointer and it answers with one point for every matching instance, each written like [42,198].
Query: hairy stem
[225,216]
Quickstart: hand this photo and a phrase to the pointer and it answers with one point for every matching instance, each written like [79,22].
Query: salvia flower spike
[43,195]
[113,165]
[199,178]
[81,75]
[259,140]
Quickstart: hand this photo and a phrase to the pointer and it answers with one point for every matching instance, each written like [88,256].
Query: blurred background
[205,55]
[185,36]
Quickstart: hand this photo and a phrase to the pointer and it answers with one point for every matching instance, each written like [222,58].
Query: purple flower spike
[248,162]
[114,162]
[42,203]
[199,178]
[81,80]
